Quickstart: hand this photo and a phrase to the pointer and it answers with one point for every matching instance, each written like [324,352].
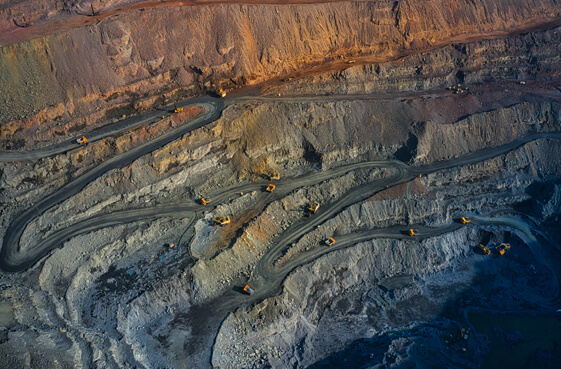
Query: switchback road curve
[108,130]
[12,260]
[10,245]
[267,276]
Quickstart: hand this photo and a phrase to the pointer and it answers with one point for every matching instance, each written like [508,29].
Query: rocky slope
[120,297]
[86,75]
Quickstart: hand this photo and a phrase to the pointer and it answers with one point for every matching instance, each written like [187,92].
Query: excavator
[314,206]
[205,200]
[275,176]
[221,221]
[412,232]
[82,140]
[501,249]
[482,249]
[220,92]
[270,188]
[463,220]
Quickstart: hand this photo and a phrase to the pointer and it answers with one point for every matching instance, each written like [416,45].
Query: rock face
[121,60]
[392,115]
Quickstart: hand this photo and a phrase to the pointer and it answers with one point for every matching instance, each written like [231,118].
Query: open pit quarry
[280,184]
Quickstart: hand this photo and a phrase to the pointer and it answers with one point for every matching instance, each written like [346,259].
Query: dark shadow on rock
[408,151]
[541,193]
[439,343]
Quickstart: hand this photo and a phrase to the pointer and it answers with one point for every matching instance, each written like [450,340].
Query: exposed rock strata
[117,297]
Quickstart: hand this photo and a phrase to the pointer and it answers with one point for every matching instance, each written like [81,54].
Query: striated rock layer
[127,57]
[345,83]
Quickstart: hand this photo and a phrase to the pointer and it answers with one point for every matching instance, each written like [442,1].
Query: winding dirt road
[13,259]
[110,130]
[268,276]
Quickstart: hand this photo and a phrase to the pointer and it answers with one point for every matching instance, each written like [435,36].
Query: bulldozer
[205,200]
[482,250]
[313,207]
[222,220]
[270,188]
[412,232]
[331,241]
[463,220]
[82,140]
[250,291]
[501,249]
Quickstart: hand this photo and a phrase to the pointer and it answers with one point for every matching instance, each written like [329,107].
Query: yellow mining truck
[82,140]
[501,249]
[250,291]
[330,241]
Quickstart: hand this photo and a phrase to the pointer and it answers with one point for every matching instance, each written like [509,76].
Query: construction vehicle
[457,89]
[250,291]
[177,110]
[313,207]
[220,92]
[221,221]
[412,232]
[331,241]
[270,188]
[351,62]
[482,250]
[171,245]
[463,220]
[501,249]
[275,176]
[82,140]
[287,79]
[205,200]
